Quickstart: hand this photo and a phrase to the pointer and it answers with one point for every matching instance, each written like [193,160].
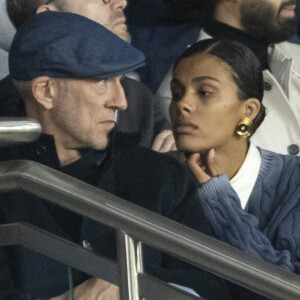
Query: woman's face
[205,108]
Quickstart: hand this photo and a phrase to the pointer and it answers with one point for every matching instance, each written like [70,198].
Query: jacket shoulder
[147,157]
[153,177]
[291,50]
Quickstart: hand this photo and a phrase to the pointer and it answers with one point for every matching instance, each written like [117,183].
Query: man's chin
[100,145]
[288,29]
[124,35]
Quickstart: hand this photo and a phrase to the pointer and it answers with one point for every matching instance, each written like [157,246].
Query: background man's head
[19,11]
[108,13]
[270,20]
[67,69]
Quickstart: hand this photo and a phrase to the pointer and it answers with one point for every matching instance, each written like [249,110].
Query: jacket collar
[281,65]
[44,151]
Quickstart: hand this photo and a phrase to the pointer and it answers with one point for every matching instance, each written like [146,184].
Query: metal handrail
[80,258]
[147,227]
[59,249]
[18,130]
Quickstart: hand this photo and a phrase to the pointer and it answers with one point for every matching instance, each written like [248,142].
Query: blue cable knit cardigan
[270,224]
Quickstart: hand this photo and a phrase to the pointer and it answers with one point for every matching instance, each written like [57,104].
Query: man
[68,69]
[151,129]
[6,33]
[262,25]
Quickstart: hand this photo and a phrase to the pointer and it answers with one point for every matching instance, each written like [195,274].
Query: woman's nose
[186,103]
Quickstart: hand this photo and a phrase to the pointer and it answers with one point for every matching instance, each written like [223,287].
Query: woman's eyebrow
[174,80]
[201,78]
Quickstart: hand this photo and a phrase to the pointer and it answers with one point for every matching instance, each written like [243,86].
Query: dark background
[162,31]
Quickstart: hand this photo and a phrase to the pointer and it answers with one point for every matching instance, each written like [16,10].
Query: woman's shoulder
[275,165]
[274,157]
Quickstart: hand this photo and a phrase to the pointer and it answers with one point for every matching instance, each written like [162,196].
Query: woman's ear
[46,7]
[42,91]
[251,107]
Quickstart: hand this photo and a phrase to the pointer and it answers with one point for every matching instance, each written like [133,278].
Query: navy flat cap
[67,45]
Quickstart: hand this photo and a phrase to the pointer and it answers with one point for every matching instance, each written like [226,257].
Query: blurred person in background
[7,32]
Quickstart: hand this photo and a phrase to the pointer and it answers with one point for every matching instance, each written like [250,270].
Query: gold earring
[244,128]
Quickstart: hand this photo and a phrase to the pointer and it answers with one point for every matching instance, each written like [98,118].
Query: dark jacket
[140,118]
[149,179]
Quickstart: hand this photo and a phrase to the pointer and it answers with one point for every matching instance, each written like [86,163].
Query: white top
[244,180]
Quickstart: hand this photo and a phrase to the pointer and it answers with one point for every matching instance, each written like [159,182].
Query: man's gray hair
[24,89]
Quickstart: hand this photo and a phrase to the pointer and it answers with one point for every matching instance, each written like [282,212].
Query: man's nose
[118,99]
[119,4]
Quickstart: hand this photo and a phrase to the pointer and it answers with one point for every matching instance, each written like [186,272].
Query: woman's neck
[230,159]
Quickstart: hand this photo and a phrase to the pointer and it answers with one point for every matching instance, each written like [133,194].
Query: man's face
[84,112]
[109,14]
[273,21]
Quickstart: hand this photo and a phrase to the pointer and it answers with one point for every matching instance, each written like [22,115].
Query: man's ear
[46,7]
[251,108]
[42,90]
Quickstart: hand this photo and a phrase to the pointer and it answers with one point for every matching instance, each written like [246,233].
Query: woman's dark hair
[245,67]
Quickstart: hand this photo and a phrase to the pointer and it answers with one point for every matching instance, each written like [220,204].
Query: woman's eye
[176,96]
[177,93]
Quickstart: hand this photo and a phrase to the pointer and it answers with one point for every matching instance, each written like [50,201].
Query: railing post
[130,263]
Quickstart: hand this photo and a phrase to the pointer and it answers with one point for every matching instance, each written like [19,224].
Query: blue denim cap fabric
[67,45]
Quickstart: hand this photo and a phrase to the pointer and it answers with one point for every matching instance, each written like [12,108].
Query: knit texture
[269,227]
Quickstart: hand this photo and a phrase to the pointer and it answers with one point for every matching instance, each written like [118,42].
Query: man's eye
[103,81]
[122,79]
[204,93]
[102,86]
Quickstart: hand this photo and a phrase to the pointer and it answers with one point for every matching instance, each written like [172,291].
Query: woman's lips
[184,127]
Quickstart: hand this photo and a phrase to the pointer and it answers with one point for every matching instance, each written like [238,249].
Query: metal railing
[21,130]
[136,225]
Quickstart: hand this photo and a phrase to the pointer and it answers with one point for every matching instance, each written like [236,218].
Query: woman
[217,90]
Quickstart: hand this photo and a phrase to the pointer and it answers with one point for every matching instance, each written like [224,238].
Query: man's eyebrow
[201,78]
[49,1]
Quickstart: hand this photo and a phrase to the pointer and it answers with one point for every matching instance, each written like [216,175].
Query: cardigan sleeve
[231,224]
